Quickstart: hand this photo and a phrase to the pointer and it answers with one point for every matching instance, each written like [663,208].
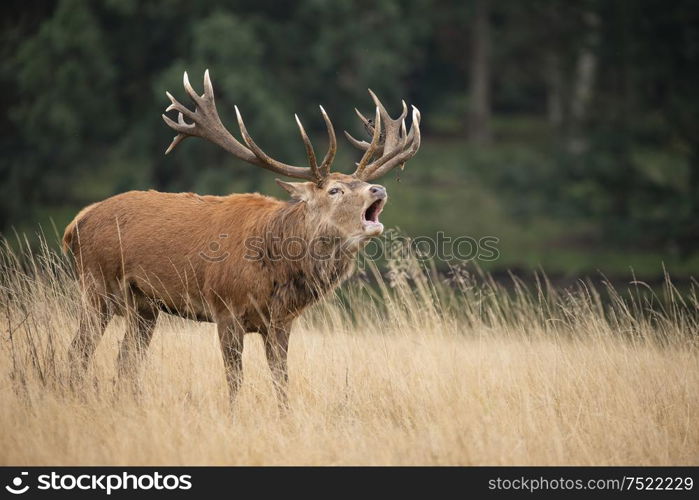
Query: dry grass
[422,372]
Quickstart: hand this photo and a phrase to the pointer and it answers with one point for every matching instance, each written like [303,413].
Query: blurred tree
[590,105]
[648,55]
[551,46]
[357,45]
[479,109]
[665,71]
[66,115]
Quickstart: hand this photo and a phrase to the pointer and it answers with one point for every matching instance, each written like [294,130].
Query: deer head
[349,203]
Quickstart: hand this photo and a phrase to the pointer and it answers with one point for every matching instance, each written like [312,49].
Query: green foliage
[83,87]
[66,112]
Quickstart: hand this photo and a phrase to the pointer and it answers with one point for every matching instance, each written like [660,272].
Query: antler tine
[391,154]
[332,145]
[369,153]
[190,91]
[181,124]
[391,126]
[366,122]
[404,135]
[309,149]
[405,111]
[384,113]
[411,144]
[175,141]
[175,105]
[363,145]
[207,125]
[208,87]
[376,100]
[395,144]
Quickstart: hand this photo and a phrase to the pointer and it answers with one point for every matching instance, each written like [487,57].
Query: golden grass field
[419,372]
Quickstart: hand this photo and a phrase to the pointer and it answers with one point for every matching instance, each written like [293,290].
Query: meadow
[400,367]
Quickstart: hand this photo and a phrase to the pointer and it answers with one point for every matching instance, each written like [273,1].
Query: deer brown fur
[222,258]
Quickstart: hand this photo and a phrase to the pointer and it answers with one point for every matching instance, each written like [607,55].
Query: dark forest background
[567,129]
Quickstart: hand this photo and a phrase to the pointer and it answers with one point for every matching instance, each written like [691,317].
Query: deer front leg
[230,334]
[276,349]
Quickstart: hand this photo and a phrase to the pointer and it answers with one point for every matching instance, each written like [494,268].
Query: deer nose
[378,191]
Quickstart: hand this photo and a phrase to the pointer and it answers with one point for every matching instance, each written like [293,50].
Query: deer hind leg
[94,317]
[276,349]
[141,316]
[134,347]
[230,334]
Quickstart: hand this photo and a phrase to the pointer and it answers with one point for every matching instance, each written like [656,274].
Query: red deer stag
[142,252]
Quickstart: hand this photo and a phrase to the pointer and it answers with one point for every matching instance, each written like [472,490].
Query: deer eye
[334,191]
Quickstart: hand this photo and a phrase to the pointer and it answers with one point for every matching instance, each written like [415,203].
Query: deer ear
[298,190]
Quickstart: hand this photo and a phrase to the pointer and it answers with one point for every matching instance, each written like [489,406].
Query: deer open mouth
[370,217]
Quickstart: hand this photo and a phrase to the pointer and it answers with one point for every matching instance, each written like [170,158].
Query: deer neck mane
[311,260]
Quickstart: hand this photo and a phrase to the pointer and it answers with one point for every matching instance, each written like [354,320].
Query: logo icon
[214,253]
[16,488]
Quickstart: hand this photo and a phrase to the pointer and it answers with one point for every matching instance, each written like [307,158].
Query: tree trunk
[555,92]
[479,113]
[583,83]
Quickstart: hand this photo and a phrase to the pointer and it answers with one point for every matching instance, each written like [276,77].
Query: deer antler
[390,145]
[207,125]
